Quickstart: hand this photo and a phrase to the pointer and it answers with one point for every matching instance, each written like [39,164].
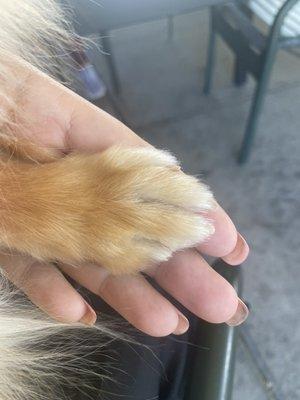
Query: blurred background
[148,67]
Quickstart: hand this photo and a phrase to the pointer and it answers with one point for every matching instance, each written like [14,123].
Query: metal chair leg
[267,64]
[256,108]
[212,373]
[210,60]
[240,72]
[110,59]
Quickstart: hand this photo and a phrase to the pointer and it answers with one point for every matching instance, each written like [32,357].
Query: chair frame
[258,62]
[212,373]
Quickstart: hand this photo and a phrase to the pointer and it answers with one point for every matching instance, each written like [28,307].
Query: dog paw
[125,208]
[144,209]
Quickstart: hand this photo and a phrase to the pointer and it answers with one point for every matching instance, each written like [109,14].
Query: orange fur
[123,208]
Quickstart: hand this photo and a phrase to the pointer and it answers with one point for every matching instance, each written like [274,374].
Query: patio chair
[254,51]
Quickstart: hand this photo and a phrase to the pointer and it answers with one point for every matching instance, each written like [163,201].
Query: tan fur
[124,208]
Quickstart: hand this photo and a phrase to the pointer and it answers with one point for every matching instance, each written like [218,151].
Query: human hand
[61,120]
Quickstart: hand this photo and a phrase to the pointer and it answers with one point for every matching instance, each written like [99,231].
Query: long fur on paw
[125,209]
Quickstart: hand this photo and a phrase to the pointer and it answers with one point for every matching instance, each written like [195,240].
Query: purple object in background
[94,86]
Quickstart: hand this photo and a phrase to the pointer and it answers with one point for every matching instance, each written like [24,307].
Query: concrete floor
[161,100]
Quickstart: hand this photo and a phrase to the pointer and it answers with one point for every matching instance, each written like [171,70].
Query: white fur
[39,355]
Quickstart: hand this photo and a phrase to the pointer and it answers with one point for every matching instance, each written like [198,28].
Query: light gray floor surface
[161,100]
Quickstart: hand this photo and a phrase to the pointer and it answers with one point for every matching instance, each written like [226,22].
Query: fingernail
[240,315]
[240,252]
[182,326]
[89,317]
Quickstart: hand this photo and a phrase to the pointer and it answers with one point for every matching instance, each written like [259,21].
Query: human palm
[57,118]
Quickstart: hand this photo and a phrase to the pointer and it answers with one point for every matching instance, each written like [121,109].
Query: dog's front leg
[124,208]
